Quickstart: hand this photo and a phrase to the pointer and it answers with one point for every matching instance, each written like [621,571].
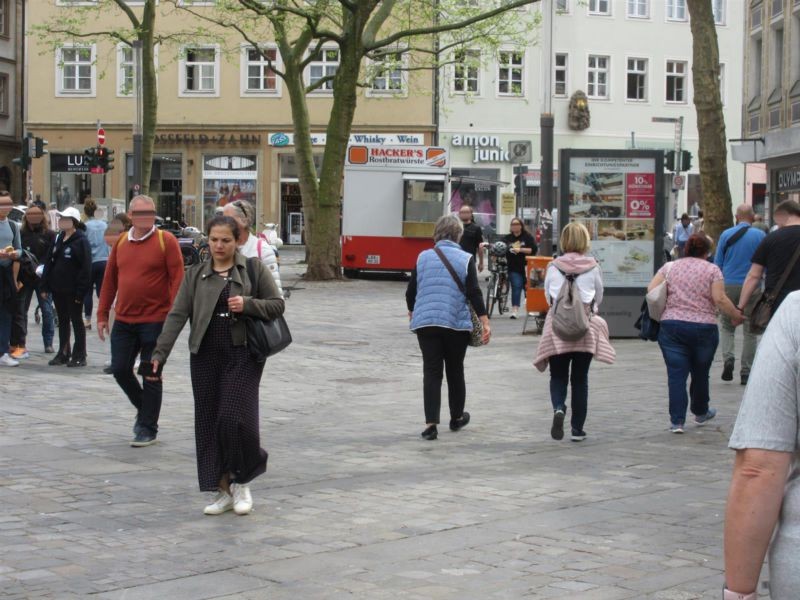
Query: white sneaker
[222,503]
[514,311]
[242,500]
[7,361]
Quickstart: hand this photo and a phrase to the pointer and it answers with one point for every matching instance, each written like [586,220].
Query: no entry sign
[101,136]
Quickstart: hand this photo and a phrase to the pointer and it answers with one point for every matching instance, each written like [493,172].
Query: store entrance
[291,203]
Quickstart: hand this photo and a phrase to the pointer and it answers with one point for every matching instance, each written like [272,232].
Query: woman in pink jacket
[559,354]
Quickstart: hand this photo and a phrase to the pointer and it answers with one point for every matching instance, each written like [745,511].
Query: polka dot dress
[225,380]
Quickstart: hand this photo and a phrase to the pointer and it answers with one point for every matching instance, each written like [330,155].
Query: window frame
[723,10]
[645,74]
[565,70]
[183,63]
[562,11]
[685,77]
[5,96]
[372,92]
[61,92]
[463,64]
[607,71]
[5,9]
[522,68]
[636,17]
[324,91]
[244,71]
[597,12]
[673,19]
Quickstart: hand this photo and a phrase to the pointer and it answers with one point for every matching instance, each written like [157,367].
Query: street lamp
[678,122]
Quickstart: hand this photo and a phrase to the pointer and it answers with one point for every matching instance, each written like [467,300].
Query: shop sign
[508,203]
[485,148]
[281,139]
[789,179]
[68,163]
[397,156]
[533,178]
[203,139]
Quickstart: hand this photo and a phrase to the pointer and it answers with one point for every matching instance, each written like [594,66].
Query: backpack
[568,316]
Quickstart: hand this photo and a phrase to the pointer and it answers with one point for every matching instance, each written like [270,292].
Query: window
[756,16]
[721,78]
[466,69]
[389,74]
[639,9]
[125,70]
[718,6]
[259,65]
[637,80]
[562,6]
[560,75]
[509,73]
[324,64]
[777,61]
[676,10]
[75,70]
[599,7]
[777,8]
[597,80]
[3,95]
[4,17]
[200,71]
[756,57]
[676,81]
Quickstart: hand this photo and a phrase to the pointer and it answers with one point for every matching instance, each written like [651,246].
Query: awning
[468,179]
[423,177]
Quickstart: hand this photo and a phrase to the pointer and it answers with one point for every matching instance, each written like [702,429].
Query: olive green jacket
[197,298]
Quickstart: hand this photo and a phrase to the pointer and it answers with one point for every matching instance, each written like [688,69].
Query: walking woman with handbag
[217,296]
[688,335]
[442,288]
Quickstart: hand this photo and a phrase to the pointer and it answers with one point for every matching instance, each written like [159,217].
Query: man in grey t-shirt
[765,488]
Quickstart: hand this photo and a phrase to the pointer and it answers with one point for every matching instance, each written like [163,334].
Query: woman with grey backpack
[573,333]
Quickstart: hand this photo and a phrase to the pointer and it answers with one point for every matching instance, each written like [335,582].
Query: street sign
[520,151]
[678,182]
[136,188]
[101,136]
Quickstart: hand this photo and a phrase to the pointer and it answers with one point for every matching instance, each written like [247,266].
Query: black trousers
[443,350]
[560,375]
[70,311]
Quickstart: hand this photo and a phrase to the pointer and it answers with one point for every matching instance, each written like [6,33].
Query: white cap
[70,212]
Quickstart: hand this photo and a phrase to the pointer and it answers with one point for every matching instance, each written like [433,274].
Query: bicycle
[497,291]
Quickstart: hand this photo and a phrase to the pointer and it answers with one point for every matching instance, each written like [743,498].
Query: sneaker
[242,500]
[7,361]
[456,424]
[19,353]
[727,371]
[143,438]
[745,378]
[87,322]
[676,428]
[222,503]
[49,350]
[108,370]
[514,312]
[701,420]
[557,429]
[77,362]
[430,433]
[58,359]
[578,435]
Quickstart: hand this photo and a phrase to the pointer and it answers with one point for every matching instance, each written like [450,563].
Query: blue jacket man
[734,253]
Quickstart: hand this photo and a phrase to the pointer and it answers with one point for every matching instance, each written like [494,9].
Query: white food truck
[393,196]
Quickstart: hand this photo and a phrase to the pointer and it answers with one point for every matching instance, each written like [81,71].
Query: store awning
[423,177]
[468,179]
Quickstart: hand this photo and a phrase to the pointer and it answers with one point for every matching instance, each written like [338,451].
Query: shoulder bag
[657,298]
[762,311]
[265,337]
[476,335]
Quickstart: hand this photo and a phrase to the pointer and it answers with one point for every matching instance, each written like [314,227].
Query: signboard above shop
[397,157]
[68,163]
[281,139]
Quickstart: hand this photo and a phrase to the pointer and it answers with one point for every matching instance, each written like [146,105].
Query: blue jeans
[19,328]
[517,281]
[688,349]
[98,271]
[128,340]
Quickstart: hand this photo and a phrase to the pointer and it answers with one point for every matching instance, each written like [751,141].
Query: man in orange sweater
[144,272]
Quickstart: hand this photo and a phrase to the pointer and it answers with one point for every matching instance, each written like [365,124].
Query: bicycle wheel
[490,295]
[502,295]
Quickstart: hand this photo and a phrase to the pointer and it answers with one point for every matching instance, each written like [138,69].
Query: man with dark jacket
[472,238]
[10,246]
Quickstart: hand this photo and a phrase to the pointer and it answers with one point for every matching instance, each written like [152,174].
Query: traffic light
[669,160]
[39,145]
[686,160]
[24,160]
[105,158]
[90,157]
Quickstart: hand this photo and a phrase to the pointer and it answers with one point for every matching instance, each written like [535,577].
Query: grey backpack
[568,315]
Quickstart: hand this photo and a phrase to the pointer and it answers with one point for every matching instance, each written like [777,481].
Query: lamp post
[137,125]
[546,123]
[678,143]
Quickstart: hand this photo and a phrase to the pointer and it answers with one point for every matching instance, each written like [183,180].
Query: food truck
[393,196]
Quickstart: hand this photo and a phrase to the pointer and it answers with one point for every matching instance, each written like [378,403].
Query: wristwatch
[729,595]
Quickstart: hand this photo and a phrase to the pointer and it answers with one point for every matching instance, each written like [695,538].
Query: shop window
[694,195]
[258,70]
[476,188]
[560,72]
[227,178]
[322,69]
[597,77]
[75,70]
[200,71]
[638,9]
[676,10]
[389,74]
[510,66]
[423,203]
[676,81]
[466,72]
[637,80]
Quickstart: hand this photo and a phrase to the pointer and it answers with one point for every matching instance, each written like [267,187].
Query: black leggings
[70,311]
[443,350]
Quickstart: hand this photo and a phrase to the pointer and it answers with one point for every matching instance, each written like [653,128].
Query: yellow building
[224,121]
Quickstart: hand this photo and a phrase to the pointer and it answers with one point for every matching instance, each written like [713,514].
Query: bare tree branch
[123,6]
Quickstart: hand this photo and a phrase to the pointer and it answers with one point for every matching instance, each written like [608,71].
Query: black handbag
[648,328]
[265,338]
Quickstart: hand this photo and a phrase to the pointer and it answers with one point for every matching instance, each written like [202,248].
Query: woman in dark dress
[225,377]
[521,245]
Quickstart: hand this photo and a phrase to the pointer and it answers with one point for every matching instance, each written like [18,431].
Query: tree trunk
[149,93]
[713,153]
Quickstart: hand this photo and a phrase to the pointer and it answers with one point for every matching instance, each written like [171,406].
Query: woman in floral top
[689,336]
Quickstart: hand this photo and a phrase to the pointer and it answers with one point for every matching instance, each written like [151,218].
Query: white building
[632,58]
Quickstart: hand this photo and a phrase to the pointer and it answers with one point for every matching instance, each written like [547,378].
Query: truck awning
[423,177]
[467,179]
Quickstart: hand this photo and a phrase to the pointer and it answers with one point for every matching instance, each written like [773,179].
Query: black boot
[727,371]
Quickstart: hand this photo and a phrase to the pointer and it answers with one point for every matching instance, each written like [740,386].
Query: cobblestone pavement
[355,504]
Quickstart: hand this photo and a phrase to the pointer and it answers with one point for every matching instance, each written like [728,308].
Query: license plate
[373,259]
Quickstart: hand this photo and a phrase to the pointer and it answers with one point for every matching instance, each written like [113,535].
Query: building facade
[771,102]
[633,61]
[11,63]
[224,121]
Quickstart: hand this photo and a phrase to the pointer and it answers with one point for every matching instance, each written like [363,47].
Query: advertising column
[618,196]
